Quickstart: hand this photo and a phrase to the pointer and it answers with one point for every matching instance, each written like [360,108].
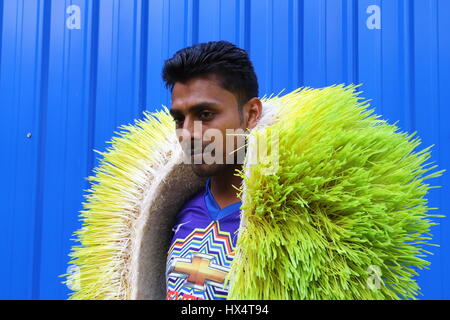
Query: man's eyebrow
[196,107]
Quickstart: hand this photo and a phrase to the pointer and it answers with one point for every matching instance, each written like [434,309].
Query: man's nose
[191,130]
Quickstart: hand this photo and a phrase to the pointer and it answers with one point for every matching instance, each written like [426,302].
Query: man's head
[214,86]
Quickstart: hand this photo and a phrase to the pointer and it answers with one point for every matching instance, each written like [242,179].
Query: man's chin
[207,170]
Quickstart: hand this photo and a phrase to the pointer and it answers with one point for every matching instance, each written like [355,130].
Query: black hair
[222,58]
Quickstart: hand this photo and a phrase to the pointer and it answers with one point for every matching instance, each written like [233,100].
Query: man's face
[199,106]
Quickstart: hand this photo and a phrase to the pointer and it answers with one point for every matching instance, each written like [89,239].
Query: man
[214,86]
[336,210]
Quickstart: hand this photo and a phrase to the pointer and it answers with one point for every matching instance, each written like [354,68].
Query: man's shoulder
[195,201]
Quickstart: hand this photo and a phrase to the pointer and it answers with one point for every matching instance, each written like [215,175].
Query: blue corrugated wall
[71,72]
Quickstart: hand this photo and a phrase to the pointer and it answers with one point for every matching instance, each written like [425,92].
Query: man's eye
[178,121]
[206,115]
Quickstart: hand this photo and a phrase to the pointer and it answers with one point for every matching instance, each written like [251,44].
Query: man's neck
[222,186]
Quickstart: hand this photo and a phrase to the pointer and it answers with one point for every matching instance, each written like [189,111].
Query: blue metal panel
[20,160]
[439,279]
[72,71]
[64,143]
[427,108]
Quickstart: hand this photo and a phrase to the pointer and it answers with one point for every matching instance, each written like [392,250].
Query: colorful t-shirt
[202,248]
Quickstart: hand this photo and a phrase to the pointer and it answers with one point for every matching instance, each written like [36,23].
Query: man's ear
[253,112]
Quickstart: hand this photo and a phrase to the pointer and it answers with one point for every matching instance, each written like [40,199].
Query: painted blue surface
[70,76]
